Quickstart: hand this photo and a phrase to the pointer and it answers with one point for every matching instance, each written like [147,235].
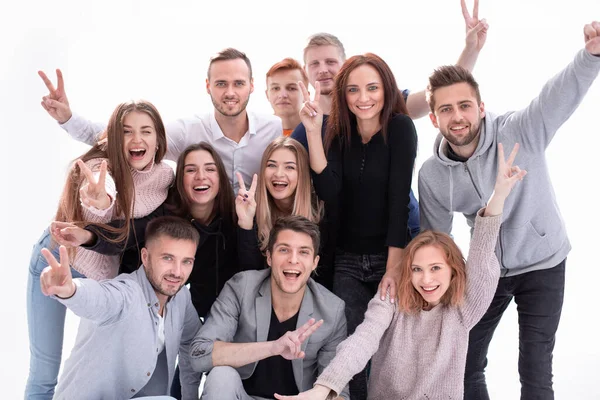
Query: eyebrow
[195,165]
[143,127]
[459,103]
[285,162]
[287,245]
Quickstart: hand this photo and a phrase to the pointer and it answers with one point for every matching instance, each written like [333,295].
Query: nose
[200,174]
[284,94]
[136,136]
[279,171]
[363,96]
[427,277]
[229,91]
[176,269]
[293,257]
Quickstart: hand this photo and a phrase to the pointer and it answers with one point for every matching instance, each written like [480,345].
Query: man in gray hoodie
[533,243]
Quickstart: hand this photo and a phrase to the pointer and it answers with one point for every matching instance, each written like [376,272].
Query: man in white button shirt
[239,136]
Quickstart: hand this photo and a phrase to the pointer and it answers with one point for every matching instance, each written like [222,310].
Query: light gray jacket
[242,314]
[116,352]
[533,234]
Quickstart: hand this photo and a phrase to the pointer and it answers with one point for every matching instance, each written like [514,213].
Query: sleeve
[221,324]
[299,134]
[402,140]
[328,183]
[433,214]
[353,353]
[138,226]
[103,302]
[249,254]
[181,134]
[535,126]
[83,130]
[327,352]
[190,379]
[482,269]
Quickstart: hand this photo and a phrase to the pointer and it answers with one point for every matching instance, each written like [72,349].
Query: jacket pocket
[523,246]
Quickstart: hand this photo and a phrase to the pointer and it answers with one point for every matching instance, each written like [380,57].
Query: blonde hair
[305,204]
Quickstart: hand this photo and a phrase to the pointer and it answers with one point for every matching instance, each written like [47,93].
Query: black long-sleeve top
[371,184]
[217,258]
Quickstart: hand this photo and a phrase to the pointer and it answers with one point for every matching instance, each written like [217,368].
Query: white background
[112,51]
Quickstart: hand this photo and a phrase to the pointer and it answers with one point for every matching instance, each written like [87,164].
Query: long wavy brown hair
[112,150]
[305,204]
[341,120]
[409,299]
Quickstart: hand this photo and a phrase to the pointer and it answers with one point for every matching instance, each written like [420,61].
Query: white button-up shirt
[243,157]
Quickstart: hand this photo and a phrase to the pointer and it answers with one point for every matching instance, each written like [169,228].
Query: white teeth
[279,183]
[457,128]
[291,271]
[364,107]
[429,289]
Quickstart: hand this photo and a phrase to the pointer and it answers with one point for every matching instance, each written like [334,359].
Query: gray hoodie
[533,234]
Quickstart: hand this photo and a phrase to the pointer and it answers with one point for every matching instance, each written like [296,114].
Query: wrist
[67,295]
[65,120]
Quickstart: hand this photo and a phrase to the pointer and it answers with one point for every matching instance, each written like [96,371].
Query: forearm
[495,205]
[318,160]
[394,257]
[468,58]
[83,130]
[239,354]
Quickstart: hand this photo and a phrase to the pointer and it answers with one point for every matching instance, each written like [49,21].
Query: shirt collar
[216,131]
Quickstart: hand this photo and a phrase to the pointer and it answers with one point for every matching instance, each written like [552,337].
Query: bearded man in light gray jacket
[533,245]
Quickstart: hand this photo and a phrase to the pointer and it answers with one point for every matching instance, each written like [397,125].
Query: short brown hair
[288,64]
[229,54]
[324,39]
[411,301]
[448,75]
[295,223]
[173,227]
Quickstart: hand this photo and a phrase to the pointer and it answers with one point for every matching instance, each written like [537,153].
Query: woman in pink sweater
[122,176]
[419,344]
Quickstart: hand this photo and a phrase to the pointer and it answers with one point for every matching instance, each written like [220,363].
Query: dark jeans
[355,280]
[539,299]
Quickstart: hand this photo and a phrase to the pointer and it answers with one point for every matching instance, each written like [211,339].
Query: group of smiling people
[308,277]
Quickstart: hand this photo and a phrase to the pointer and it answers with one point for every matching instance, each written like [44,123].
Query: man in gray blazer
[275,330]
[133,326]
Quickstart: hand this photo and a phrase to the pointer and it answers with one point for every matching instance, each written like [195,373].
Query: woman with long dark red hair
[364,171]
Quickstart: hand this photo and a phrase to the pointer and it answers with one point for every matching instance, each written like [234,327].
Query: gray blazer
[242,314]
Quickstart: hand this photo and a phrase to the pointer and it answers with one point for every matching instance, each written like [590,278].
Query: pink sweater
[151,187]
[421,356]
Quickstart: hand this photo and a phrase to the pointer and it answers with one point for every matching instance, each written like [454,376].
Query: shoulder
[164,170]
[250,278]
[401,123]
[324,297]
[266,122]
[430,167]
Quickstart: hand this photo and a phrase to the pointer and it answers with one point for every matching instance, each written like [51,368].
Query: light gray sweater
[420,356]
[533,234]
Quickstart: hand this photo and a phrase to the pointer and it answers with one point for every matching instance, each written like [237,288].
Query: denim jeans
[46,320]
[414,222]
[539,299]
[355,280]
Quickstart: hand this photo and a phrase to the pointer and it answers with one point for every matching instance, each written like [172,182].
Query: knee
[222,381]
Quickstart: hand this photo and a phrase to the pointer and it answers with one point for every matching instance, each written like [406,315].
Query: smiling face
[201,178]
[292,260]
[281,175]
[364,93]
[168,263]
[322,65]
[458,115]
[139,139]
[431,275]
[229,86]
[283,92]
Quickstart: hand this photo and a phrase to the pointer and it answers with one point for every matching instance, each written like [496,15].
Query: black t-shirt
[274,374]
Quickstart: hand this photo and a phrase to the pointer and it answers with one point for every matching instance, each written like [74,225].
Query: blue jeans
[414,223]
[355,280]
[539,299]
[46,320]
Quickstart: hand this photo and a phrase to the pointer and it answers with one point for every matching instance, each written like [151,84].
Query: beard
[222,109]
[155,282]
[464,141]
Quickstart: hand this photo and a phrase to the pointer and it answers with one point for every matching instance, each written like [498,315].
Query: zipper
[467,170]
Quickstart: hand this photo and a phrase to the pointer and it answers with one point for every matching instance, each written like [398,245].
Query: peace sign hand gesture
[93,194]
[245,202]
[507,178]
[311,114]
[56,279]
[476,28]
[289,346]
[56,103]
[591,35]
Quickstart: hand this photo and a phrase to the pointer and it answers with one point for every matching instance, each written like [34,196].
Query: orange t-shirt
[287,132]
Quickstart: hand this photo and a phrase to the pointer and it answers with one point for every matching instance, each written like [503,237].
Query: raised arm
[476,34]
[87,298]
[482,268]
[535,126]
